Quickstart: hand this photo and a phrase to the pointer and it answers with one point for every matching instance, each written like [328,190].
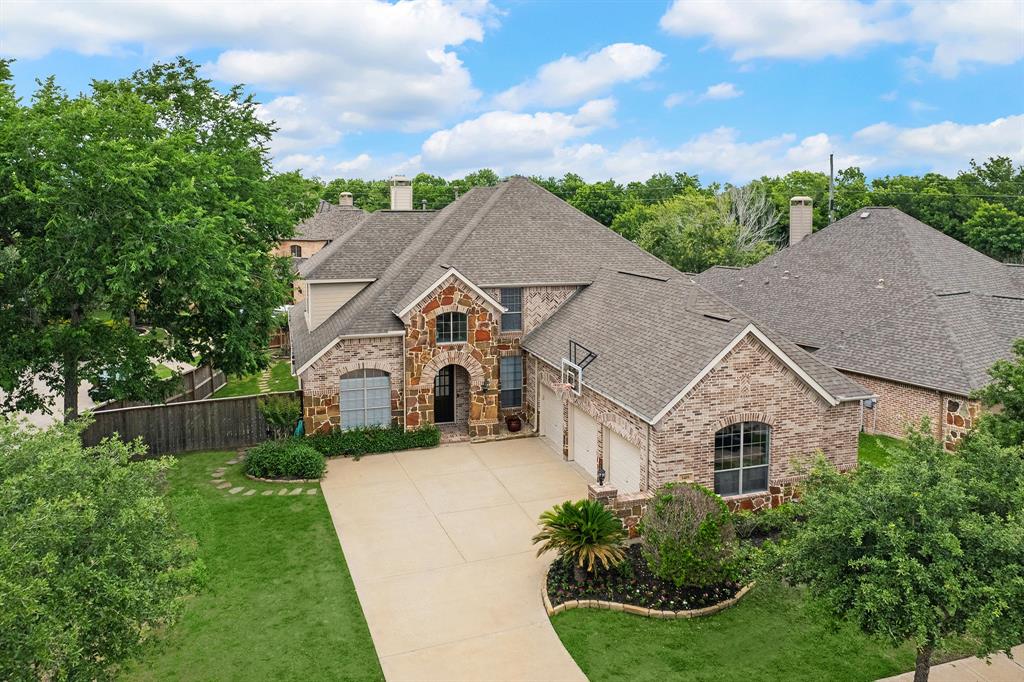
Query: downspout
[405,393]
[648,485]
[536,395]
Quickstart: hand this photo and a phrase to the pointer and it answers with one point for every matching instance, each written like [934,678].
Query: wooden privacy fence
[195,384]
[215,424]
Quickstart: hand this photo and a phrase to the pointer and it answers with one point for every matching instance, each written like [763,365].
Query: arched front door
[444,395]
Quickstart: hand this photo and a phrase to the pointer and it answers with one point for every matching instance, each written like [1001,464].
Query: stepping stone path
[218,480]
[264,382]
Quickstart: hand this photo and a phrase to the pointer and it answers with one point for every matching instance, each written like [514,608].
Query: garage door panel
[625,464]
[551,418]
[585,434]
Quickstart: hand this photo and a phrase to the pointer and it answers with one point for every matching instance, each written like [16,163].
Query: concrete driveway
[438,543]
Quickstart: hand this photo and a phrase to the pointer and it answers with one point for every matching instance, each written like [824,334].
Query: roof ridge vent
[864,214]
[718,317]
[952,293]
[1008,297]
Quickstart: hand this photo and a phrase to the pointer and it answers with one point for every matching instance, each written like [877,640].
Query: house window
[511,381]
[365,399]
[741,458]
[296,250]
[512,321]
[451,328]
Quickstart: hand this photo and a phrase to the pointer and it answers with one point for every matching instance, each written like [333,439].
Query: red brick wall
[752,384]
[321,383]
[899,405]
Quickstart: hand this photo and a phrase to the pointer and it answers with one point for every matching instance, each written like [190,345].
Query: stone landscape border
[637,610]
[282,480]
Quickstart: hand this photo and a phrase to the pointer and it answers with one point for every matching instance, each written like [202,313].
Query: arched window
[296,250]
[741,458]
[451,328]
[365,398]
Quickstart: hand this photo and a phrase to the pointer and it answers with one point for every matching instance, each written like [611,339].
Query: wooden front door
[444,395]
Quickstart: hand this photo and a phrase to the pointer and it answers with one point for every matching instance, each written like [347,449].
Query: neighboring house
[901,308]
[487,307]
[311,235]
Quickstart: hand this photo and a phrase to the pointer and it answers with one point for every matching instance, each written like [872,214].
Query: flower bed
[632,583]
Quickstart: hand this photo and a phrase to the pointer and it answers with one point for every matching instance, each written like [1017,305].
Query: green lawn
[769,635]
[278,603]
[875,449]
[281,379]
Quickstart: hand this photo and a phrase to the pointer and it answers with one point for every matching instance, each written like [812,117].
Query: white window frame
[742,467]
[511,311]
[366,407]
[437,328]
[504,388]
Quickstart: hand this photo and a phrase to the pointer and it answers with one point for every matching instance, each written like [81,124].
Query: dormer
[324,297]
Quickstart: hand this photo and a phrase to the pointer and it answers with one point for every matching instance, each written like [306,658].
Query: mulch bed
[633,583]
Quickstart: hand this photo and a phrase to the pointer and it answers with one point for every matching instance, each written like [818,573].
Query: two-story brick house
[489,306]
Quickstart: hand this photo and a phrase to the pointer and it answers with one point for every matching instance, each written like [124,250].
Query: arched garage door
[551,418]
[625,464]
[585,432]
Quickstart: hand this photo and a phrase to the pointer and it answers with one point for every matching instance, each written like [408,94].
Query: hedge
[371,439]
[287,459]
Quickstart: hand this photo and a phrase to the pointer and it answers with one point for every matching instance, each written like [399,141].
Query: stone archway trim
[460,357]
[746,417]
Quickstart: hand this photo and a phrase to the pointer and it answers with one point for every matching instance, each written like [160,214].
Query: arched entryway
[451,399]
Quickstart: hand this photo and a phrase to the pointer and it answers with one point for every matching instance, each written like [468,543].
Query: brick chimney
[801,218]
[345,199]
[401,193]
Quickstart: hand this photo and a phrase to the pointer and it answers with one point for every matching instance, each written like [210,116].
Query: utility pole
[831,190]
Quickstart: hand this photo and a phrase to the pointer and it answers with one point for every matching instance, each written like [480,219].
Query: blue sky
[729,90]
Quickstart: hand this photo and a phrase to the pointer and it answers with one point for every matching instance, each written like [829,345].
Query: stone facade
[321,383]
[629,509]
[900,406]
[479,356]
[752,384]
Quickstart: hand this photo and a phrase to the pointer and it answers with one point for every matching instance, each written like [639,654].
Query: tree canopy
[1004,398]
[149,198]
[91,563]
[929,549]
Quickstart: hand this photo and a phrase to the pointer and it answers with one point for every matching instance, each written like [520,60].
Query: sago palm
[585,531]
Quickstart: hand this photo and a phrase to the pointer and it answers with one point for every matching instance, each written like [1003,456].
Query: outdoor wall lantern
[600,474]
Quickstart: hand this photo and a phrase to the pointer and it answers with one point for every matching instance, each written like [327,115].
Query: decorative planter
[636,610]
[514,423]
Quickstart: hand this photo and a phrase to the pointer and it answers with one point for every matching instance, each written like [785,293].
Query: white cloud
[947,146]
[677,98]
[890,96]
[571,79]
[957,31]
[340,66]
[500,139]
[722,91]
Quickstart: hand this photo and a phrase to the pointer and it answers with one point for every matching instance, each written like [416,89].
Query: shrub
[688,536]
[289,458]
[282,412]
[766,523]
[584,532]
[91,561]
[370,439]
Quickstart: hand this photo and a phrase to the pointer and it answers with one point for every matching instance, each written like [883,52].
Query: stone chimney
[345,199]
[801,218]
[401,193]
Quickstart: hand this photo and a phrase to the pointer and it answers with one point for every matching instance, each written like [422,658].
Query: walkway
[1002,669]
[438,544]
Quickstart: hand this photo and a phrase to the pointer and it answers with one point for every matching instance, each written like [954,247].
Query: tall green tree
[997,231]
[149,198]
[1004,399]
[91,562]
[928,550]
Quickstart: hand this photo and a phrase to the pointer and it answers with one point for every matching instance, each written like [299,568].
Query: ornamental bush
[688,536]
[92,564]
[371,439]
[289,458]
[281,412]
[585,533]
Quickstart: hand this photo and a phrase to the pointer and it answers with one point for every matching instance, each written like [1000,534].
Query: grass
[281,379]
[771,635]
[876,449]
[278,603]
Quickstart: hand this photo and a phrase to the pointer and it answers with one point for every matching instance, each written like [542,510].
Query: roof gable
[450,276]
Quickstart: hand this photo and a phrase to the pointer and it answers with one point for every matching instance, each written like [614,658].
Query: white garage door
[551,418]
[585,433]
[625,464]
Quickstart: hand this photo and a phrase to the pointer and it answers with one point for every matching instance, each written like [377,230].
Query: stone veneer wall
[752,384]
[901,405]
[321,383]
[479,356]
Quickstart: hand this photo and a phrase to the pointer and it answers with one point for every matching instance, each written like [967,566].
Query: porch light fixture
[486,385]
[600,474]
